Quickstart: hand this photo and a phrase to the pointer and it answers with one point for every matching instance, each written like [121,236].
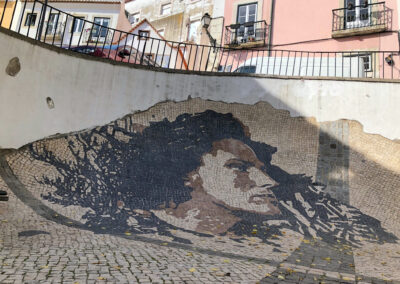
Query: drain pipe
[271,18]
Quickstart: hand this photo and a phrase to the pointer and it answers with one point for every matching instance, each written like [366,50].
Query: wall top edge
[186,72]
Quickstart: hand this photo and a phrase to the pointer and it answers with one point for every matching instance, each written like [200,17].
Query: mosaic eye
[239,165]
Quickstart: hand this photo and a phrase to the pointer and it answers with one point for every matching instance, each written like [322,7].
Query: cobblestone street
[34,249]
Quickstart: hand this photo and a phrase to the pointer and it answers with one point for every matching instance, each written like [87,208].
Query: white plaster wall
[89,11]
[89,93]
[219,8]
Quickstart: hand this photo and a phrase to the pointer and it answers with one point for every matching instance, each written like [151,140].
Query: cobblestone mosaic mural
[205,178]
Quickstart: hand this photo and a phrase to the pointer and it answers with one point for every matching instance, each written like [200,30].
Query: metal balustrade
[54,27]
[246,34]
[367,15]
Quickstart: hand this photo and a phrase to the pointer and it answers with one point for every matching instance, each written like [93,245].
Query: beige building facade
[176,20]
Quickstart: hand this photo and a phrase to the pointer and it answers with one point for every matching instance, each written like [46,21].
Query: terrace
[365,18]
[246,35]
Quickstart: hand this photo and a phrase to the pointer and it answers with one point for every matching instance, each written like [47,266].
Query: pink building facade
[343,26]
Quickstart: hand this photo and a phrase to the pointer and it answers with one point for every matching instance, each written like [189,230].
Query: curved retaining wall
[237,161]
[87,92]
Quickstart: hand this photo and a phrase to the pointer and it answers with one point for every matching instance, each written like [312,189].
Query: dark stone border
[7,174]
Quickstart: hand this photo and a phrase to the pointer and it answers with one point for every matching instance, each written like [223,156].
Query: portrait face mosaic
[228,180]
[199,175]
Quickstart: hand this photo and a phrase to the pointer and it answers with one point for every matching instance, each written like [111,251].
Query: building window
[193,31]
[161,32]
[145,34]
[77,24]
[162,60]
[165,9]
[101,27]
[364,59]
[247,13]
[367,62]
[52,24]
[357,13]
[30,19]
[134,18]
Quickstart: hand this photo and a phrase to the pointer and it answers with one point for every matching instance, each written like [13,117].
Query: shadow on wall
[200,173]
[211,172]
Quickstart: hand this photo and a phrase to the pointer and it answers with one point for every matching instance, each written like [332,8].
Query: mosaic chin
[200,174]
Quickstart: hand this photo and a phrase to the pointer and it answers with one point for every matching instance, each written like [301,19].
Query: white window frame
[51,27]
[247,12]
[358,22]
[364,55]
[244,31]
[162,10]
[189,30]
[77,19]
[100,31]
[30,14]
[135,16]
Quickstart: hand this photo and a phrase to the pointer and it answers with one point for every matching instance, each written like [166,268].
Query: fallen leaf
[306,241]
[127,233]
[44,266]
[164,244]
[347,279]
[280,277]
[290,271]
[192,269]
[268,275]
[214,269]
[101,278]
[189,254]
[227,260]
[327,258]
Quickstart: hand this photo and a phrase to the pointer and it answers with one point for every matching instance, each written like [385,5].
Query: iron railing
[73,33]
[52,28]
[246,34]
[361,16]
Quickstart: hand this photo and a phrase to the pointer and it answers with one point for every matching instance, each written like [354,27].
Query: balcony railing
[365,17]
[53,28]
[248,34]
[112,44]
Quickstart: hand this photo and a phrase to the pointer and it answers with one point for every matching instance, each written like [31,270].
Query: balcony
[360,20]
[246,35]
